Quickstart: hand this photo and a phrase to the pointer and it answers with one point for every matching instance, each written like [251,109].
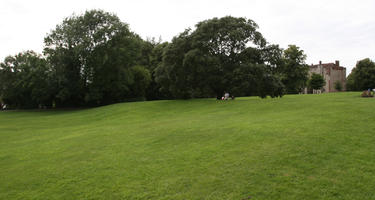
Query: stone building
[332,72]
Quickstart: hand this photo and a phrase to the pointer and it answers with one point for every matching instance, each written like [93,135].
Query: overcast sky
[326,30]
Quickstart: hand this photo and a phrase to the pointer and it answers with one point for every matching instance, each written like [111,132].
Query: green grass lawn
[296,147]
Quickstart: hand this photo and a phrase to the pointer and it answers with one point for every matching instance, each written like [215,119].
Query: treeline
[362,76]
[94,59]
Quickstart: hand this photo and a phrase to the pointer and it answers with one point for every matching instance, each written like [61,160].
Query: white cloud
[325,30]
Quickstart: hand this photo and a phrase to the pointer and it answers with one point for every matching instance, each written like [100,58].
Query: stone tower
[332,72]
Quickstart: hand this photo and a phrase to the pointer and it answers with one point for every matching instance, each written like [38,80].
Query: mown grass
[296,147]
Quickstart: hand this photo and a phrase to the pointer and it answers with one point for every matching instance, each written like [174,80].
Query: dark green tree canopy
[362,76]
[227,36]
[316,81]
[293,69]
[201,62]
[25,81]
[85,32]
[91,55]
[154,91]
[94,59]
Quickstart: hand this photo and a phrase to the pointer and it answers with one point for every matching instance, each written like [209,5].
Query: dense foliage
[94,59]
[216,57]
[294,69]
[362,76]
[316,81]
[26,81]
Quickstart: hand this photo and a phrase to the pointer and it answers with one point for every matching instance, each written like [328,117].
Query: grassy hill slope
[296,147]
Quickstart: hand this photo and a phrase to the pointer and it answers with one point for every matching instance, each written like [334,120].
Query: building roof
[329,65]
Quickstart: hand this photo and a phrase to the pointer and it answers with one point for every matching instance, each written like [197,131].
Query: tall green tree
[293,69]
[316,81]
[26,81]
[172,74]
[112,77]
[141,80]
[256,80]
[154,91]
[350,84]
[362,76]
[201,62]
[91,55]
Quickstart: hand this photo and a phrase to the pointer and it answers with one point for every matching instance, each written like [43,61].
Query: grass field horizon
[295,147]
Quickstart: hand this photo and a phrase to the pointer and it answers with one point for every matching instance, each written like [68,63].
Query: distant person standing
[226,96]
